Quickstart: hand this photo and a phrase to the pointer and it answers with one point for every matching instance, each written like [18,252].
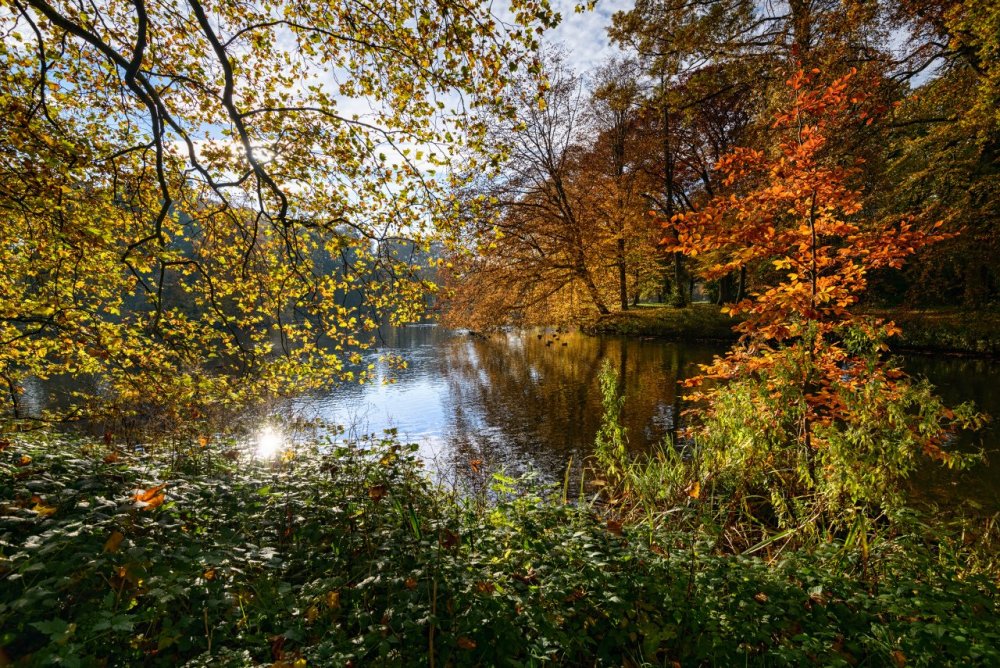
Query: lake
[529,401]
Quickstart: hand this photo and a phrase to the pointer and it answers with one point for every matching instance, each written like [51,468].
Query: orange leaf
[152,497]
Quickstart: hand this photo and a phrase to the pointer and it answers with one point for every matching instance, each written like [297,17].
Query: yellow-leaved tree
[208,201]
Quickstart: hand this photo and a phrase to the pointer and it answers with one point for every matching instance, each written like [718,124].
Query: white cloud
[585,35]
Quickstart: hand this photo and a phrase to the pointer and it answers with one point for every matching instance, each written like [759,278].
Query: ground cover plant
[347,554]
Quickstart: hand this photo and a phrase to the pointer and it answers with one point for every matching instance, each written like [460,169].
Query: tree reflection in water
[530,401]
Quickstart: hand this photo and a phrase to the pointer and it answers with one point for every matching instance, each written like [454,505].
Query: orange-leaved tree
[806,405]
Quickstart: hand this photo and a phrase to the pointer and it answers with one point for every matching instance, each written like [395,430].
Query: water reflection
[959,379]
[268,442]
[516,401]
[530,401]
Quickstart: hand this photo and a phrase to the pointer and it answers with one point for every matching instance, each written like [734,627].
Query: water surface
[530,401]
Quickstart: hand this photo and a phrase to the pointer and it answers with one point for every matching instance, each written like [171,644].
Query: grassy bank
[968,332]
[347,555]
[976,333]
[696,322]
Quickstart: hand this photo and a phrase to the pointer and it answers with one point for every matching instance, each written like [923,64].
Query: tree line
[579,222]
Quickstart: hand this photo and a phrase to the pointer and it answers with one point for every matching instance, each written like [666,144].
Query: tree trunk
[622,275]
[595,294]
[677,291]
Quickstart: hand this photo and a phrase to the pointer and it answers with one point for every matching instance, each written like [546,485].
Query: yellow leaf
[43,509]
[113,543]
[695,490]
[333,599]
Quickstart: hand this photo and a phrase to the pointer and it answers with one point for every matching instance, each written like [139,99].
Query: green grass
[951,331]
[697,321]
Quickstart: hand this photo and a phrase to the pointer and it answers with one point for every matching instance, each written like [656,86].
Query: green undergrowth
[346,554]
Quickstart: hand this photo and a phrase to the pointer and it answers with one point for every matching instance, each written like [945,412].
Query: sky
[585,35]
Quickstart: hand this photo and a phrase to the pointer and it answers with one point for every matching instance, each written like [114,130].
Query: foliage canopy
[193,191]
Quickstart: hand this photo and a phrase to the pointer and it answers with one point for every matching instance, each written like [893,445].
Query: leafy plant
[612,437]
[341,553]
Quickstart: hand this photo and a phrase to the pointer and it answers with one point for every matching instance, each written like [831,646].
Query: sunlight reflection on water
[268,442]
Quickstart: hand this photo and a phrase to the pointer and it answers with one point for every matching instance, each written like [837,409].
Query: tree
[195,193]
[617,162]
[944,147]
[806,402]
[531,240]
[562,231]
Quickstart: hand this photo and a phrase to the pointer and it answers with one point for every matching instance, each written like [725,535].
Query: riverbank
[347,555]
[938,331]
[696,322]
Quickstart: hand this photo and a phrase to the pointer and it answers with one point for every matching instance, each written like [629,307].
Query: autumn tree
[943,141]
[206,192]
[618,162]
[528,239]
[561,234]
[805,403]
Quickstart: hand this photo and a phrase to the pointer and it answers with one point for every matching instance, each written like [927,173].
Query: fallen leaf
[152,497]
[112,544]
[43,509]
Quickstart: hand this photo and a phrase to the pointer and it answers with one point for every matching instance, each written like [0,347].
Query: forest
[450,332]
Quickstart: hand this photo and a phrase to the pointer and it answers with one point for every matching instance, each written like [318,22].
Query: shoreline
[952,333]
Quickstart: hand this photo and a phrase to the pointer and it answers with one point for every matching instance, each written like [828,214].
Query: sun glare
[269,442]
